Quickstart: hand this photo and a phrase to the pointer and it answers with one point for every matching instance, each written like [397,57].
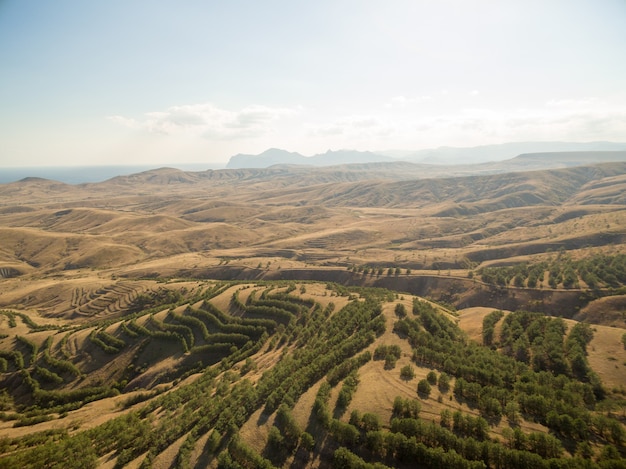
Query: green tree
[444,382]
[511,410]
[446,418]
[400,310]
[307,442]
[407,373]
[584,450]
[370,422]
[423,388]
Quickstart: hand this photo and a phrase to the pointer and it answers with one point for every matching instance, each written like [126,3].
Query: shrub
[32,346]
[489,324]
[47,375]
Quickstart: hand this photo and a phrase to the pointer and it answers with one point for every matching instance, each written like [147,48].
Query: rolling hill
[360,315]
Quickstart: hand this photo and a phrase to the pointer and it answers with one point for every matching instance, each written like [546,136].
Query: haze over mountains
[441,155]
[504,151]
[437,162]
[277,156]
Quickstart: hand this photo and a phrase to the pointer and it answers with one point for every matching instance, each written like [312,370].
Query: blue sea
[84,174]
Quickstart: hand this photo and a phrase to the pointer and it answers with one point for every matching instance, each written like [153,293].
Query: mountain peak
[277,151]
[269,157]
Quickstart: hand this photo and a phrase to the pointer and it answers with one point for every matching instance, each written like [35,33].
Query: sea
[86,174]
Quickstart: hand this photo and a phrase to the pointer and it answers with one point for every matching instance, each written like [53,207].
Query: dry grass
[166,459]
[81,254]
[192,225]
[89,416]
[608,311]
[471,321]
[607,356]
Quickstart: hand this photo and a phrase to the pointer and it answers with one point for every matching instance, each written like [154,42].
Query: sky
[163,82]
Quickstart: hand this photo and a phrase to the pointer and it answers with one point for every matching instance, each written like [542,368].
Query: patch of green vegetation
[107,342]
[407,373]
[389,353]
[489,325]
[347,391]
[30,345]
[32,325]
[597,271]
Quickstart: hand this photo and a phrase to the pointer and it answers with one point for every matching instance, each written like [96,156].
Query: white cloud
[208,121]
[483,126]
[255,128]
[568,103]
[403,101]
[353,127]
[421,128]
[124,121]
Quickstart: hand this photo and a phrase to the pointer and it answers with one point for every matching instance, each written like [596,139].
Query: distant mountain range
[440,156]
[358,165]
[275,156]
[505,151]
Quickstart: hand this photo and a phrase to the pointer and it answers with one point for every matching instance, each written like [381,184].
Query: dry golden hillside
[314,317]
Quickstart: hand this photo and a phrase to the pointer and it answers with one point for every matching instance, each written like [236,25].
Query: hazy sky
[154,82]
